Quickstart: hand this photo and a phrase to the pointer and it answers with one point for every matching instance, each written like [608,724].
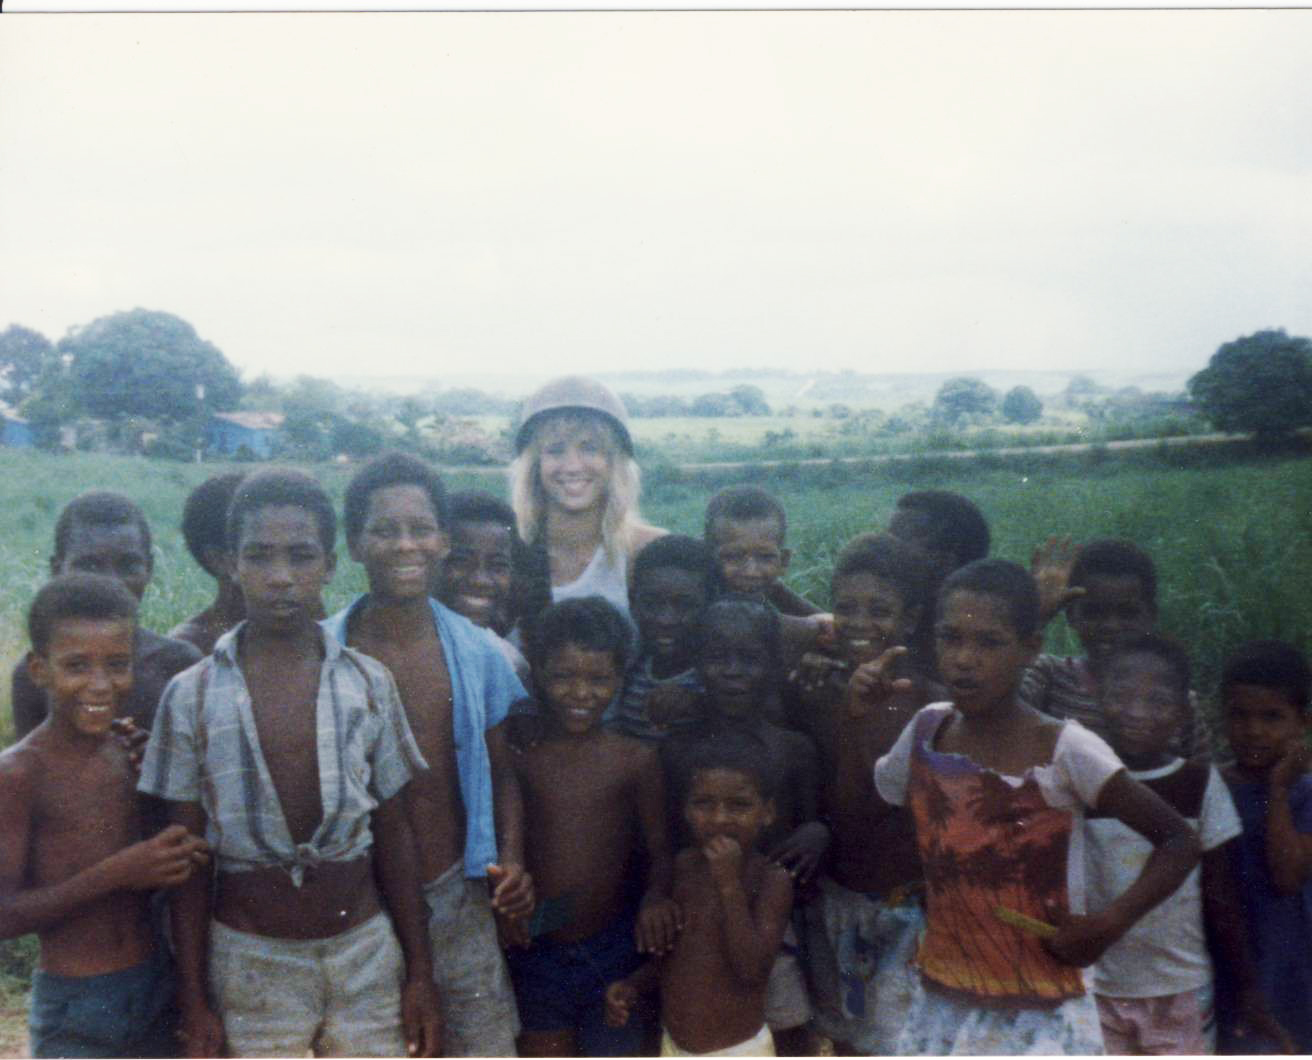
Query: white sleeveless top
[600,578]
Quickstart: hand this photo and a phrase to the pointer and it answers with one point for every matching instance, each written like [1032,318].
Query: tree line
[148,369]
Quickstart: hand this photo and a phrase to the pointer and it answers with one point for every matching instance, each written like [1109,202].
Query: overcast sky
[446,193]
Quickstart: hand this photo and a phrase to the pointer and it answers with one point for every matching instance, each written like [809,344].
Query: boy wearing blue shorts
[74,866]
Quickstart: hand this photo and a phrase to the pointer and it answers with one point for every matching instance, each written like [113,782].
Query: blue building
[230,432]
[15,433]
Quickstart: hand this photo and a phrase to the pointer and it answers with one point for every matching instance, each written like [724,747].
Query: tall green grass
[1230,531]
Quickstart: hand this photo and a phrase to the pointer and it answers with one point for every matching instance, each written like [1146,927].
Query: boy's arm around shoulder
[753,925]
[1289,847]
[1081,940]
[165,860]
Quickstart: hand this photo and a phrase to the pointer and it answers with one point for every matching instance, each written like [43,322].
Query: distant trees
[964,398]
[24,355]
[1021,405]
[1260,383]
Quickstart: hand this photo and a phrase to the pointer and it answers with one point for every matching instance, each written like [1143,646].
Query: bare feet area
[13,1029]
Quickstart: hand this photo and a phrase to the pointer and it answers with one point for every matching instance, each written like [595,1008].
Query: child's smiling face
[980,652]
[869,616]
[726,802]
[579,684]
[401,543]
[474,579]
[1261,724]
[1113,608]
[86,672]
[1144,705]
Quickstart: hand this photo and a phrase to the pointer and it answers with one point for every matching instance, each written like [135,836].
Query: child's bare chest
[424,683]
[1010,756]
[83,816]
[577,780]
[284,706]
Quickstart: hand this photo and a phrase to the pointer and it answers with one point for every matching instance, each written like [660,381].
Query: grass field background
[1231,533]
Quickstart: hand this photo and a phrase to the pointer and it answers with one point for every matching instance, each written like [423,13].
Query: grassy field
[1231,534]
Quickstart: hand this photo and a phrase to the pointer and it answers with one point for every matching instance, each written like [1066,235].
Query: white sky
[533,193]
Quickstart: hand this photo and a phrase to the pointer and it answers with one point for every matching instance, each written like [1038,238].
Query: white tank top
[600,578]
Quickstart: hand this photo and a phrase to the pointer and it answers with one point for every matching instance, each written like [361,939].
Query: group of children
[729,826]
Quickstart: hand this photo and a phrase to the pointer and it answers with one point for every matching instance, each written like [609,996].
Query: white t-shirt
[1166,951]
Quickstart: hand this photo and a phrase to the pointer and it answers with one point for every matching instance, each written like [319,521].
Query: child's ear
[769,812]
[329,566]
[785,558]
[1032,644]
[38,669]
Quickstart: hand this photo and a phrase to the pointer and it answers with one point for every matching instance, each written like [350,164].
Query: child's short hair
[478,506]
[763,618]
[1115,557]
[591,622]
[740,503]
[737,751]
[1270,664]
[1169,650]
[679,551]
[957,526]
[1009,582]
[78,595]
[205,515]
[98,508]
[889,558]
[390,469]
[275,487]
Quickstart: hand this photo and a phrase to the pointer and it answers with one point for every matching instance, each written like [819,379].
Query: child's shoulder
[626,750]
[162,651]
[19,765]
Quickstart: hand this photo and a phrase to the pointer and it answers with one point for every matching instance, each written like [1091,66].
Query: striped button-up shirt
[205,748]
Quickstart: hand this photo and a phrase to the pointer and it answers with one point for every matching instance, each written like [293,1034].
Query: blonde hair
[621,520]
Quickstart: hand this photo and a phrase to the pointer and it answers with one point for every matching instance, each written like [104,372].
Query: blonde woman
[574,488]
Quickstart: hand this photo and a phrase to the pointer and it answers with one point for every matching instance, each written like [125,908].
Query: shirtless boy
[205,530]
[74,868]
[735,906]
[457,687]
[592,796]
[294,751]
[105,533]
[864,925]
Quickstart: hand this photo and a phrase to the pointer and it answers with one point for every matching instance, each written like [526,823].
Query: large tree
[1021,405]
[964,397]
[1260,383]
[24,354]
[147,363]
